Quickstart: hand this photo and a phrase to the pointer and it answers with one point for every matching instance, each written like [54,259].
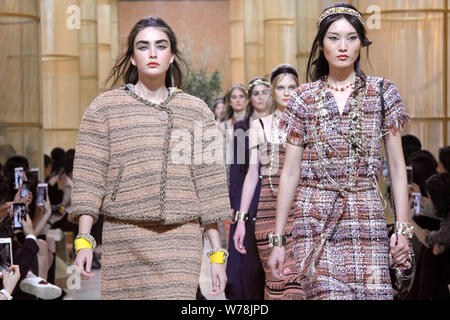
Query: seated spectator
[25,252]
[433,265]
[9,282]
[410,145]
[58,155]
[424,165]
[444,160]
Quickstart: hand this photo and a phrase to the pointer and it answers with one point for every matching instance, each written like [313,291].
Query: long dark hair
[424,165]
[438,187]
[317,63]
[123,69]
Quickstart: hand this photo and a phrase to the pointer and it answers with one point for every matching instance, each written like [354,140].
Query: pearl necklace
[281,140]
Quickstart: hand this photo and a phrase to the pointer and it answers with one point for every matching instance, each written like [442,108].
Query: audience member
[25,248]
[410,145]
[58,155]
[444,160]
[433,264]
[9,282]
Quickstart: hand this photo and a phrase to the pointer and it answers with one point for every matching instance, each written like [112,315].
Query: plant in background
[203,85]
[200,83]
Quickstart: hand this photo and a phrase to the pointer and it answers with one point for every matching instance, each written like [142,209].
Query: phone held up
[6,257]
[42,194]
[19,210]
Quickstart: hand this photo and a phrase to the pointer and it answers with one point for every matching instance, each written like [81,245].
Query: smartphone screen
[19,174]
[6,259]
[25,189]
[42,191]
[19,214]
[409,175]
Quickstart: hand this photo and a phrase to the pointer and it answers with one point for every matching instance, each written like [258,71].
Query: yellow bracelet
[218,257]
[81,243]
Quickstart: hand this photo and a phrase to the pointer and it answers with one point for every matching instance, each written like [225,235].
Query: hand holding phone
[6,257]
[19,215]
[19,175]
[42,194]
[25,191]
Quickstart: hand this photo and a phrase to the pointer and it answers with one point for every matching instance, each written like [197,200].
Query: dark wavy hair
[317,63]
[124,69]
[424,165]
[438,187]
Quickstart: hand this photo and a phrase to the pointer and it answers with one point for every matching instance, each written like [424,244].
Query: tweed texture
[119,167]
[340,237]
[289,288]
[141,262]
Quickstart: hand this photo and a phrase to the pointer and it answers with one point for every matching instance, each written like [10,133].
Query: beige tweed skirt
[141,262]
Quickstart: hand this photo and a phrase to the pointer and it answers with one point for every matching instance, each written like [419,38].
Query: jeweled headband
[339,10]
[258,82]
[281,70]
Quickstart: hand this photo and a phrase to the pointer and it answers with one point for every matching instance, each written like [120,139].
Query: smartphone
[34,172]
[61,173]
[25,189]
[19,210]
[409,175]
[42,194]
[415,205]
[19,174]
[6,257]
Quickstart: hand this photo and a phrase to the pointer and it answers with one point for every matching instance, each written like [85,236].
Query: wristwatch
[277,240]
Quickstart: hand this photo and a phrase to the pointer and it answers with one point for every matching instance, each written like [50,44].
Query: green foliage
[203,85]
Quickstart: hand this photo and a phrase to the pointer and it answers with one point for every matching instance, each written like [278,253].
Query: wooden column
[88,54]
[237,41]
[279,34]
[254,39]
[20,93]
[61,74]
[107,33]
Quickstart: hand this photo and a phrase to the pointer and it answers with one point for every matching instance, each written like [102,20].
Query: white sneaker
[40,288]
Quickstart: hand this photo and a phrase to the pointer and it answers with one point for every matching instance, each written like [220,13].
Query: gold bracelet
[240,216]
[405,229]
[277,240]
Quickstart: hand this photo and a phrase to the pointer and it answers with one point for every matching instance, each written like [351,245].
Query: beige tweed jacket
[144,162]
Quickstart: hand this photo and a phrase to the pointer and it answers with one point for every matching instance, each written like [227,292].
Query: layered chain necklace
[281,135]
[354,136]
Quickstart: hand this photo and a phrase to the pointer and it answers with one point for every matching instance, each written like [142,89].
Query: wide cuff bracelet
[277,240]
[405,229]
[212,251]
[240,216]
[89,238]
